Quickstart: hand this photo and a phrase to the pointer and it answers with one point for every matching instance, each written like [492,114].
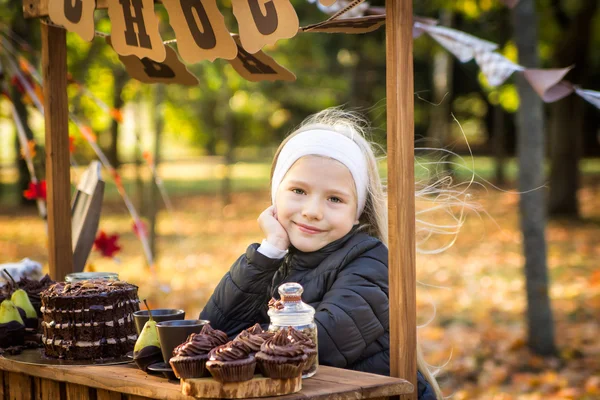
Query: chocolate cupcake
[253,338]
[280,358]
[231,362]
[189,358]
[221,336]
[256,329]
[309,347]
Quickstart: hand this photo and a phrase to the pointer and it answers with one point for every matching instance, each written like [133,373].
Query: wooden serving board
[259,386]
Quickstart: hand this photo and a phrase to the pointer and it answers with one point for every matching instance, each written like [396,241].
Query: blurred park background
[212,146]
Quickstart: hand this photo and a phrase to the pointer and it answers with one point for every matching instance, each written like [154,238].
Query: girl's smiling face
[316,202]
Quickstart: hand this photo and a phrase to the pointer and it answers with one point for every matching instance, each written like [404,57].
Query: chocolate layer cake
[89,319]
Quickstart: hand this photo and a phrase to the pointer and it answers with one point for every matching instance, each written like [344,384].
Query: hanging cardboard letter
[75,15]
[171,70]
[264,22]
[259,66]
[200,30]
[135,29]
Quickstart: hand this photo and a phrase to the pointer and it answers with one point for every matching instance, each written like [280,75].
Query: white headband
[326,143]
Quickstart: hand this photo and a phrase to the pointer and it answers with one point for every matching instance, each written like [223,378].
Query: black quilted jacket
[347,284]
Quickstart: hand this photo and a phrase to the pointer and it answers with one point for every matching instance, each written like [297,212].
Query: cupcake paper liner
[232,371]
[189,367]
[281,369]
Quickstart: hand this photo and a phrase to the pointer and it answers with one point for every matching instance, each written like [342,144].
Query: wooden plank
[102,394]
[79,392]
[46,389]
[371,385]
[39,8]
[328,382]
[118,378]
[20,386]
[3,389]
[401,190]
[58,167]
[260,386]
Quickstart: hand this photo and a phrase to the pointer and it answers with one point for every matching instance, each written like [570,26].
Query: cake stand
[37,357]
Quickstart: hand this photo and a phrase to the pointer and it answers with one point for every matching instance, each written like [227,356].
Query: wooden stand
[257,387]
[400,127]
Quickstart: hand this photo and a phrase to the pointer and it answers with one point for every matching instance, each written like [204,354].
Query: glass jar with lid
[84,276]
[292,311]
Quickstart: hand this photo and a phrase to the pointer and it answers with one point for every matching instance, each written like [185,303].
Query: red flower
[35,191]
[71,144]
[16,81]
[107,245]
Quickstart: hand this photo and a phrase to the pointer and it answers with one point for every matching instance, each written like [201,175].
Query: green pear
[9,312]
[147,347]
[21,299]
[148,337]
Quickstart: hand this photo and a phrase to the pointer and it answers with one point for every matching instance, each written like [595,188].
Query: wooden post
[401,190]
[54,70]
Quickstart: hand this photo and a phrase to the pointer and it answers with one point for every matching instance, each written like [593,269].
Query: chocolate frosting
[256,329]
[231,351]
[220,336]
[281,345]
[90,287]
[252,342]
[196,345]
[298,337]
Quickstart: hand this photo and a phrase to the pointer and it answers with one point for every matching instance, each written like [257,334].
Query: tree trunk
[439,128]
[139,164]
[499,140]
[567,114]
[159,122]
[228,131]
[121,79]
[566,133]
[23,28]
[23,173]
[532,205]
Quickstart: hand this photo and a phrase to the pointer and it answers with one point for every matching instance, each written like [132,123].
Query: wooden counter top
[22,381]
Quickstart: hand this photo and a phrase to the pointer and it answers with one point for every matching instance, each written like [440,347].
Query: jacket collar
[299,260]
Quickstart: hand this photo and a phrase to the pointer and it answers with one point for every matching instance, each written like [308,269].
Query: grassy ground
[476,288]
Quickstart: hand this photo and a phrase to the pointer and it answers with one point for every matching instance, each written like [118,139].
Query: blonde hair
[373,220]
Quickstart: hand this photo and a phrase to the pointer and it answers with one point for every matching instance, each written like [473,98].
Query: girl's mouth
[308,229]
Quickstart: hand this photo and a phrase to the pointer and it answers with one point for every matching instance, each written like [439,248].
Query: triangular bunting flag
[355,8]
[417,32]
[510,3]
[548,83]
[591,96]
[496,67]
[462,45]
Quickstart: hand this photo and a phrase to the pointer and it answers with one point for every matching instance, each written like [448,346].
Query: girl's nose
[312,209]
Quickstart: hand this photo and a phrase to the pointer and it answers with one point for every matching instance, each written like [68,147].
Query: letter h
[140,39]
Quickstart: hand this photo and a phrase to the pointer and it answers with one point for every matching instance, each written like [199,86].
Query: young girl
[327,230]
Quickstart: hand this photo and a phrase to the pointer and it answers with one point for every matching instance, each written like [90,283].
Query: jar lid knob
[291,291]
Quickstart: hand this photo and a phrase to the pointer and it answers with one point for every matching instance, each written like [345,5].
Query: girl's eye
[298,191]
[336,199]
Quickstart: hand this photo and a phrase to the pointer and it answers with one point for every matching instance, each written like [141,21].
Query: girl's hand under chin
[273,230]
